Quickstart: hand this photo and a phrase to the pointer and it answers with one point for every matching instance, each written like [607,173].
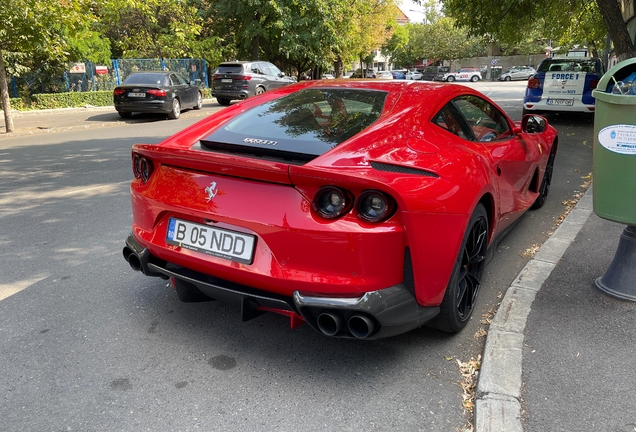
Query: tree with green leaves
[508,21]
[43,31]
[29,26]
[151,28]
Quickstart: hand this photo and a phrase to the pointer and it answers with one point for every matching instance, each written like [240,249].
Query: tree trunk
[4,96]
[623,45]
[256,48]
[338,66]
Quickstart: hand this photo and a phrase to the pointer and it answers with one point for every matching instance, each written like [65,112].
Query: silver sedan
[517,73]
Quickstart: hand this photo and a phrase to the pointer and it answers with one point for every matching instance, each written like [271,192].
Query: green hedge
[71,100]
[63,100]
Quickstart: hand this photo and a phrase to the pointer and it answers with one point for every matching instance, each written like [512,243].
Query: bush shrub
[72,100]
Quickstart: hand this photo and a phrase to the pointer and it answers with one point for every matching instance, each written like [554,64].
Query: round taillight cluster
[372,206]
[142,167]
[331,202]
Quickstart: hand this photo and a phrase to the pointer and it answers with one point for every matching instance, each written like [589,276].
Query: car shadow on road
[572,119]
[136,118]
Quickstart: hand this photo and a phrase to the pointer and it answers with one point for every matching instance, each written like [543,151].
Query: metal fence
[88,76]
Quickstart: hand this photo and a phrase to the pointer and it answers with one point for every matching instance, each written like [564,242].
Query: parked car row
[169,92]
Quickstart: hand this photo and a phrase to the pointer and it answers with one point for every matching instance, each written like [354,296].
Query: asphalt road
[88,344]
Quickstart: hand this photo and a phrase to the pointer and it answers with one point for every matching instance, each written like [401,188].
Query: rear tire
[461,294]
[475,78]
[223,101]
[508,78]
[199,104]
[124,114]
[176,110]
[544,189]
[259,90]
[450,78]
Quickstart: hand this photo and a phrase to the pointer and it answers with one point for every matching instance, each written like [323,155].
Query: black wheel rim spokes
[472,265]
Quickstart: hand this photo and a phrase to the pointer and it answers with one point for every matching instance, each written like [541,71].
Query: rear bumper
[231,94]
[374,315]
[162,106]
[542,106]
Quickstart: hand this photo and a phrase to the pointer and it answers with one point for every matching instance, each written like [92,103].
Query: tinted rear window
[237,68]
[306,122]
[570,65]
[146,78]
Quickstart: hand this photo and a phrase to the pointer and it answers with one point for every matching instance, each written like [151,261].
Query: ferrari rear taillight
[331,202]
[142,167]
[371,206]
[118,92]
[154,92]
[533,83]
[374,206]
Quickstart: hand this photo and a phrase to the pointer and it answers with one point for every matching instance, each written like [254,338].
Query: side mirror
[533,124]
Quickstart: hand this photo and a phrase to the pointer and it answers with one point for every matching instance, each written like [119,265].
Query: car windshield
[307,122]
[146,78]
[570,64]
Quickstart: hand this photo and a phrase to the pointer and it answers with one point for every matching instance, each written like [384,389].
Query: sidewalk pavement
[559,355]
[50,120]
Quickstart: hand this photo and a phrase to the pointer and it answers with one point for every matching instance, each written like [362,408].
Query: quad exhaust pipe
[331,323]
[138,261]
[361,326]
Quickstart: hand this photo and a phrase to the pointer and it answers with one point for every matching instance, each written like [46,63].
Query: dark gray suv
[242,79]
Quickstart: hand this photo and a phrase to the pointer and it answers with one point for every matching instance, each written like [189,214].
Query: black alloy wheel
[461,294]
[544,189]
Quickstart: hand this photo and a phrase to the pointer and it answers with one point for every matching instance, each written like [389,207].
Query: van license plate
[565,102]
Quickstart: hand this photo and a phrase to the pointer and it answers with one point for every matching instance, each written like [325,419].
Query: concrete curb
[498,393]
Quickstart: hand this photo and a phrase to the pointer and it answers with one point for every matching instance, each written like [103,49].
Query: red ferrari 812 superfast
[363,208]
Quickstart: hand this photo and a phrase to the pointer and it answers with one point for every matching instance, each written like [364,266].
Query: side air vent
[403,170]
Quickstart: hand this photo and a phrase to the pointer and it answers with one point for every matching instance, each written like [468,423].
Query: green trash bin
[614,173]
[614,157]
[495,73]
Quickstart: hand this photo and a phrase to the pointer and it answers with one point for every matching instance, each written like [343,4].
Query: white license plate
[566,102]
[136,94]
[226,81]
[212,241]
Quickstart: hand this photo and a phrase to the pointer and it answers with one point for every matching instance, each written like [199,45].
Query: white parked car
[414,75]
[384,75]
[464,74]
